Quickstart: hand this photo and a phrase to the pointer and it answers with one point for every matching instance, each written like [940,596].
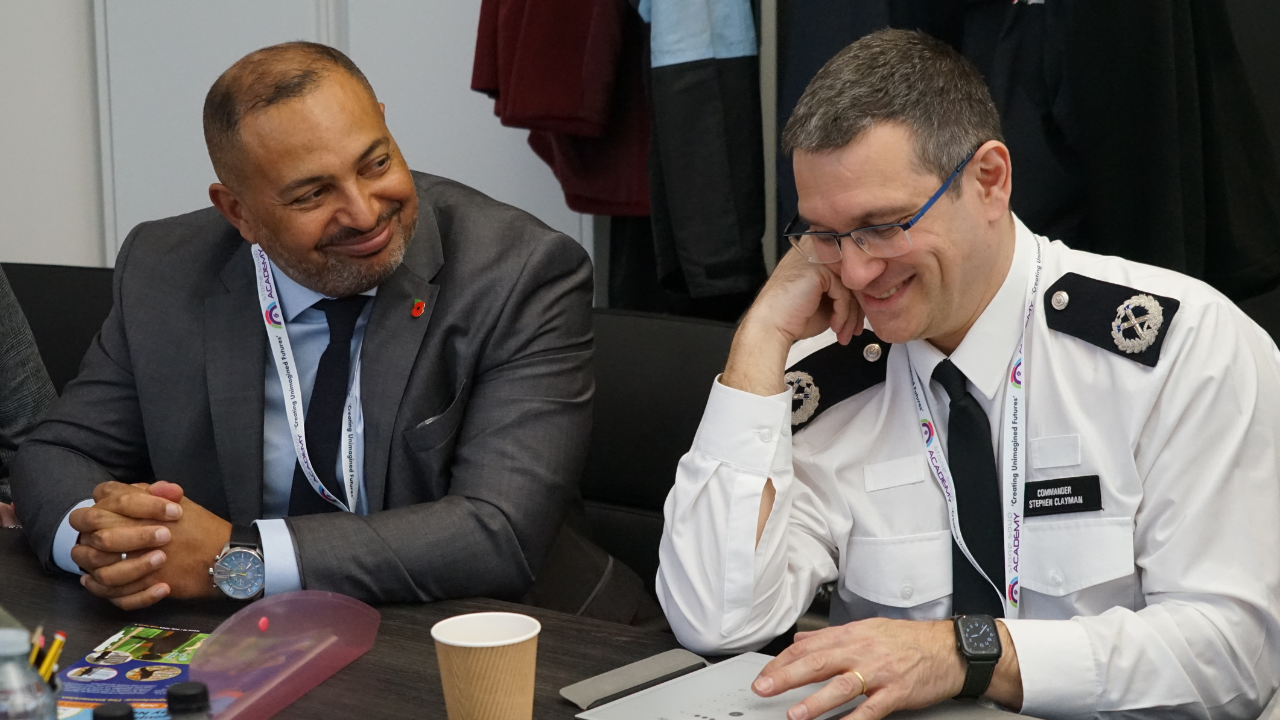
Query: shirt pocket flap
[903,471]
[434,431]
[1066,556]
[900,571]
[1058,451]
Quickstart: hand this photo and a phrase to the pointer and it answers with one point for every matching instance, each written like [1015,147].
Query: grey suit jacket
[25,390]
[500,362]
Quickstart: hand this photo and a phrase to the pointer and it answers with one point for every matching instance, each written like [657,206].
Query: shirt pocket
[894,473]
[900,571]
[1065,556]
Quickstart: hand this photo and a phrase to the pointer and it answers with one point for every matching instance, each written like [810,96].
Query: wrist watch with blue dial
[239,571]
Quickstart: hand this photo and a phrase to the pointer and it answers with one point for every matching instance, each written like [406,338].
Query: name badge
[1063,495]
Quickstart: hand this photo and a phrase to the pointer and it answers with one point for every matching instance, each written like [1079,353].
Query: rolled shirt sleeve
[721,591]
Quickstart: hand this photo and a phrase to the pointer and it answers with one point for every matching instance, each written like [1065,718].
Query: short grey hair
[904,77]
[259,80]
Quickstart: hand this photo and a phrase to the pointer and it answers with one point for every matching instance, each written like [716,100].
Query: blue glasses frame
[904,226]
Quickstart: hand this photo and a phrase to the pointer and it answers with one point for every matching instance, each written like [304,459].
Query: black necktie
[973,468]
[324,413]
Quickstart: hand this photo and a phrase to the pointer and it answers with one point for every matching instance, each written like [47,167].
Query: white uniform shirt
[1165,598]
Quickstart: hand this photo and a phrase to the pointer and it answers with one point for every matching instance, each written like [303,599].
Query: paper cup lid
[485,629]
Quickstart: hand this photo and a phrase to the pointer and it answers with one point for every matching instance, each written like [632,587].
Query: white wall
[418,57]
[161,56]
[50,198]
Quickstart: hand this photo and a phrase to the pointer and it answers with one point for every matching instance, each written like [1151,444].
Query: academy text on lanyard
[282,353]
[1013,480]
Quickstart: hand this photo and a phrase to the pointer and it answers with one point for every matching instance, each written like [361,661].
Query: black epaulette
[1128,322]
[834,373]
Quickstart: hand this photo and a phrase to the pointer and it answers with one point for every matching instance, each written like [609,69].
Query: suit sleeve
[25,390]
[93,433]
[521,448]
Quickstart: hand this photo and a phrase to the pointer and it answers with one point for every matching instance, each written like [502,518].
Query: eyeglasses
[879,241]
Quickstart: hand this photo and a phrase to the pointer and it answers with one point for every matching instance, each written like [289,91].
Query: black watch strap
[977,678]
[978,642]
[245,536]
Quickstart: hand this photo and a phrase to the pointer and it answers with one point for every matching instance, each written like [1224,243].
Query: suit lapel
[235,347]
[391,344]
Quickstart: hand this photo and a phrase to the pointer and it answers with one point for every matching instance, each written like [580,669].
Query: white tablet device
[719,692]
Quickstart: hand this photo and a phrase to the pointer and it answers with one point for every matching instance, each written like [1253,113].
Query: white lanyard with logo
[1013,480]
[282,353]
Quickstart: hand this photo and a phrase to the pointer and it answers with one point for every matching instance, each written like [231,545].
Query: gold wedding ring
[864,683]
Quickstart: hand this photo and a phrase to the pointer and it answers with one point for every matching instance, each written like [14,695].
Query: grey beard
[337,278]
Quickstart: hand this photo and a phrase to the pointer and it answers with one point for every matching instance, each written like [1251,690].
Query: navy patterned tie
[973,468]
[324,412]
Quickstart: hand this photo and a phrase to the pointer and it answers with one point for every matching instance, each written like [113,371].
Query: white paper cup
[487,665]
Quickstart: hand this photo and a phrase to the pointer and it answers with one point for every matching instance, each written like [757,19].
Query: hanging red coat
[570,71]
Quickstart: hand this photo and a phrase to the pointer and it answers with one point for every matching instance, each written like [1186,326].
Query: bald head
[257,81]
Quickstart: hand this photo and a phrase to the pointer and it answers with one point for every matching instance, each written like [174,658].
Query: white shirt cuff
[279,558]
[1059,676]
[744,429]
[66,538]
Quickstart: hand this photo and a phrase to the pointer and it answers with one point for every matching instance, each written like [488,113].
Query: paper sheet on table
[136,665]
[719,692]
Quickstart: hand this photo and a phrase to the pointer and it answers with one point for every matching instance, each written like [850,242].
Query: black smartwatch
[978,640]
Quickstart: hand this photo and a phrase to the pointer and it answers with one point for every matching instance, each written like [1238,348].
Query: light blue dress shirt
[308,330]
[684,31]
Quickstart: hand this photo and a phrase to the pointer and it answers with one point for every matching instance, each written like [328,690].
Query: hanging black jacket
[1132,126]
[706,160]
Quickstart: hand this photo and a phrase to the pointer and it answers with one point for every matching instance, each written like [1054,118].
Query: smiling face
[960,250]
[323,188]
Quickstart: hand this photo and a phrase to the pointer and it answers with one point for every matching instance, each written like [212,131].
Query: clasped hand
[141,543]
[800,300]
[903,664]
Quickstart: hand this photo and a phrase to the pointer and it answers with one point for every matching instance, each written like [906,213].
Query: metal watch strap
[977,678]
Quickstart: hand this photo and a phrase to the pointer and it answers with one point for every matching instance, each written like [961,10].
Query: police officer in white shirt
[1080,446]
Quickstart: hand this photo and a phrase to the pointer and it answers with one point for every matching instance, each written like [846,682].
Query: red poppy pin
[418,307]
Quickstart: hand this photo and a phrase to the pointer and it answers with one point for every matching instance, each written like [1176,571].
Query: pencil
[37,642]
[51,657]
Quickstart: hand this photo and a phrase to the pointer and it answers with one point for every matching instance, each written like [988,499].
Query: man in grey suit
[25,390]
[431,347]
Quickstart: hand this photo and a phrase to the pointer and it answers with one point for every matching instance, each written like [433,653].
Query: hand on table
[142,543]
[907,664]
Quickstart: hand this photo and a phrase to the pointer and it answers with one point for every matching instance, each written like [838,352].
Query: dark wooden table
[398,678]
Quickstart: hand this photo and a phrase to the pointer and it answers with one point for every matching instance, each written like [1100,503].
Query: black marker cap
[113,711]
[188,697]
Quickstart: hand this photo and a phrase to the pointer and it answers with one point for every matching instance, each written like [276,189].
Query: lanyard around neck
[1013,475]
[286,368]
